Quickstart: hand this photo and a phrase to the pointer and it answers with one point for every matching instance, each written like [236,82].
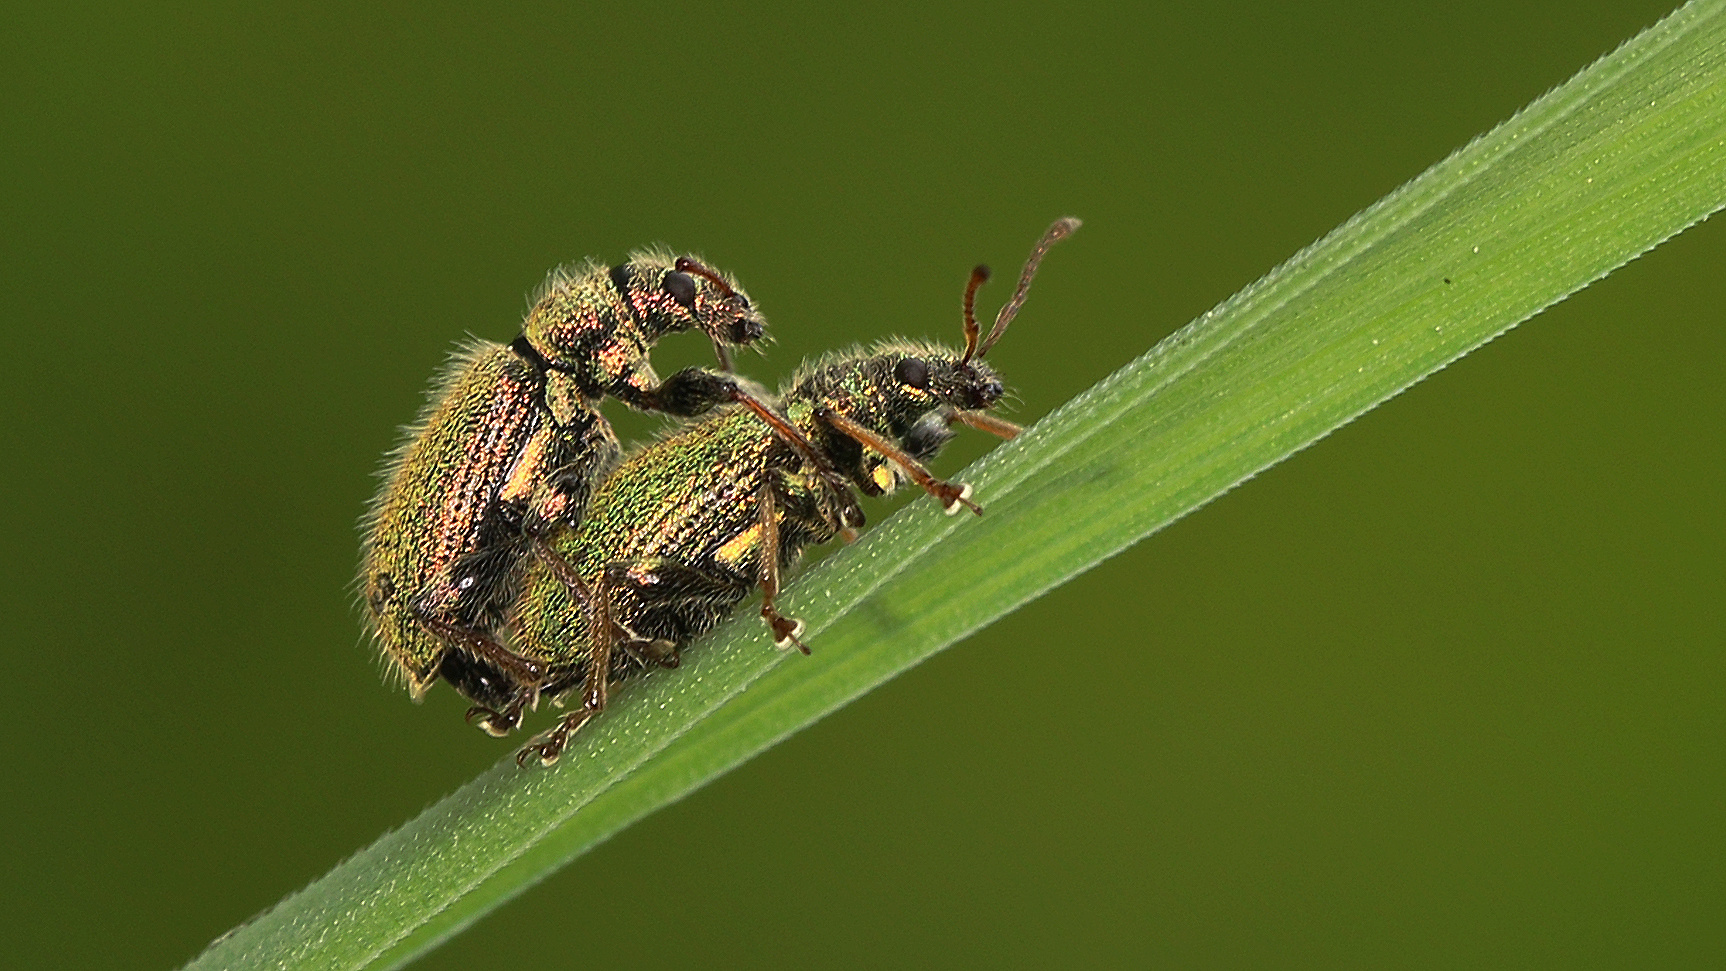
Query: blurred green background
[1445,690]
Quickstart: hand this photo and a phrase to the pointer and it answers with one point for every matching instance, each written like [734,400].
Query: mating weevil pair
[679,533]
[511,442]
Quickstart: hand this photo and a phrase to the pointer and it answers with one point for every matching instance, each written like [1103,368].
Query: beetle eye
[681,287]
[912,371]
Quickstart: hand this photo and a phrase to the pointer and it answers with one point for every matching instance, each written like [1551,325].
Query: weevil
[681,531]
[511,442]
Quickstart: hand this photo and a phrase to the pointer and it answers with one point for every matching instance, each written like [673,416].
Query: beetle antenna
[1062,228]
[689,264]
[979,276]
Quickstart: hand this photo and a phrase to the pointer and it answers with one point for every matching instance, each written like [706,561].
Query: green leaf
[1625,155]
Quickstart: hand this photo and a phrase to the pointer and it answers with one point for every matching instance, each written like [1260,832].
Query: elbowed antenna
[979,276]
[689,264]
[1061,229]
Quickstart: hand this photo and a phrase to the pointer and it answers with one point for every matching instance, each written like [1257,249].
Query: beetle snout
[746,330]
[985,393]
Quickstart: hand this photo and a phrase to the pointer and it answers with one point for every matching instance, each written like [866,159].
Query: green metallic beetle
[511,443]
[682,531]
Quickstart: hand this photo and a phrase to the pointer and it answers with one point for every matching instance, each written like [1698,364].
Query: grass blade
[1625,155]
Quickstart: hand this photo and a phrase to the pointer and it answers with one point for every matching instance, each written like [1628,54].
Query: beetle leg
[785,629]
[687,393]
[528,674]
[548,746]
[658,653]
[850,514]
[500,723]
[952,495]
[985,422]
[564,572]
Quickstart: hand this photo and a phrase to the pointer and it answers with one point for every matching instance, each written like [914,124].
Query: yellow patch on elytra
[520,483]
[737,547]
[885,477]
